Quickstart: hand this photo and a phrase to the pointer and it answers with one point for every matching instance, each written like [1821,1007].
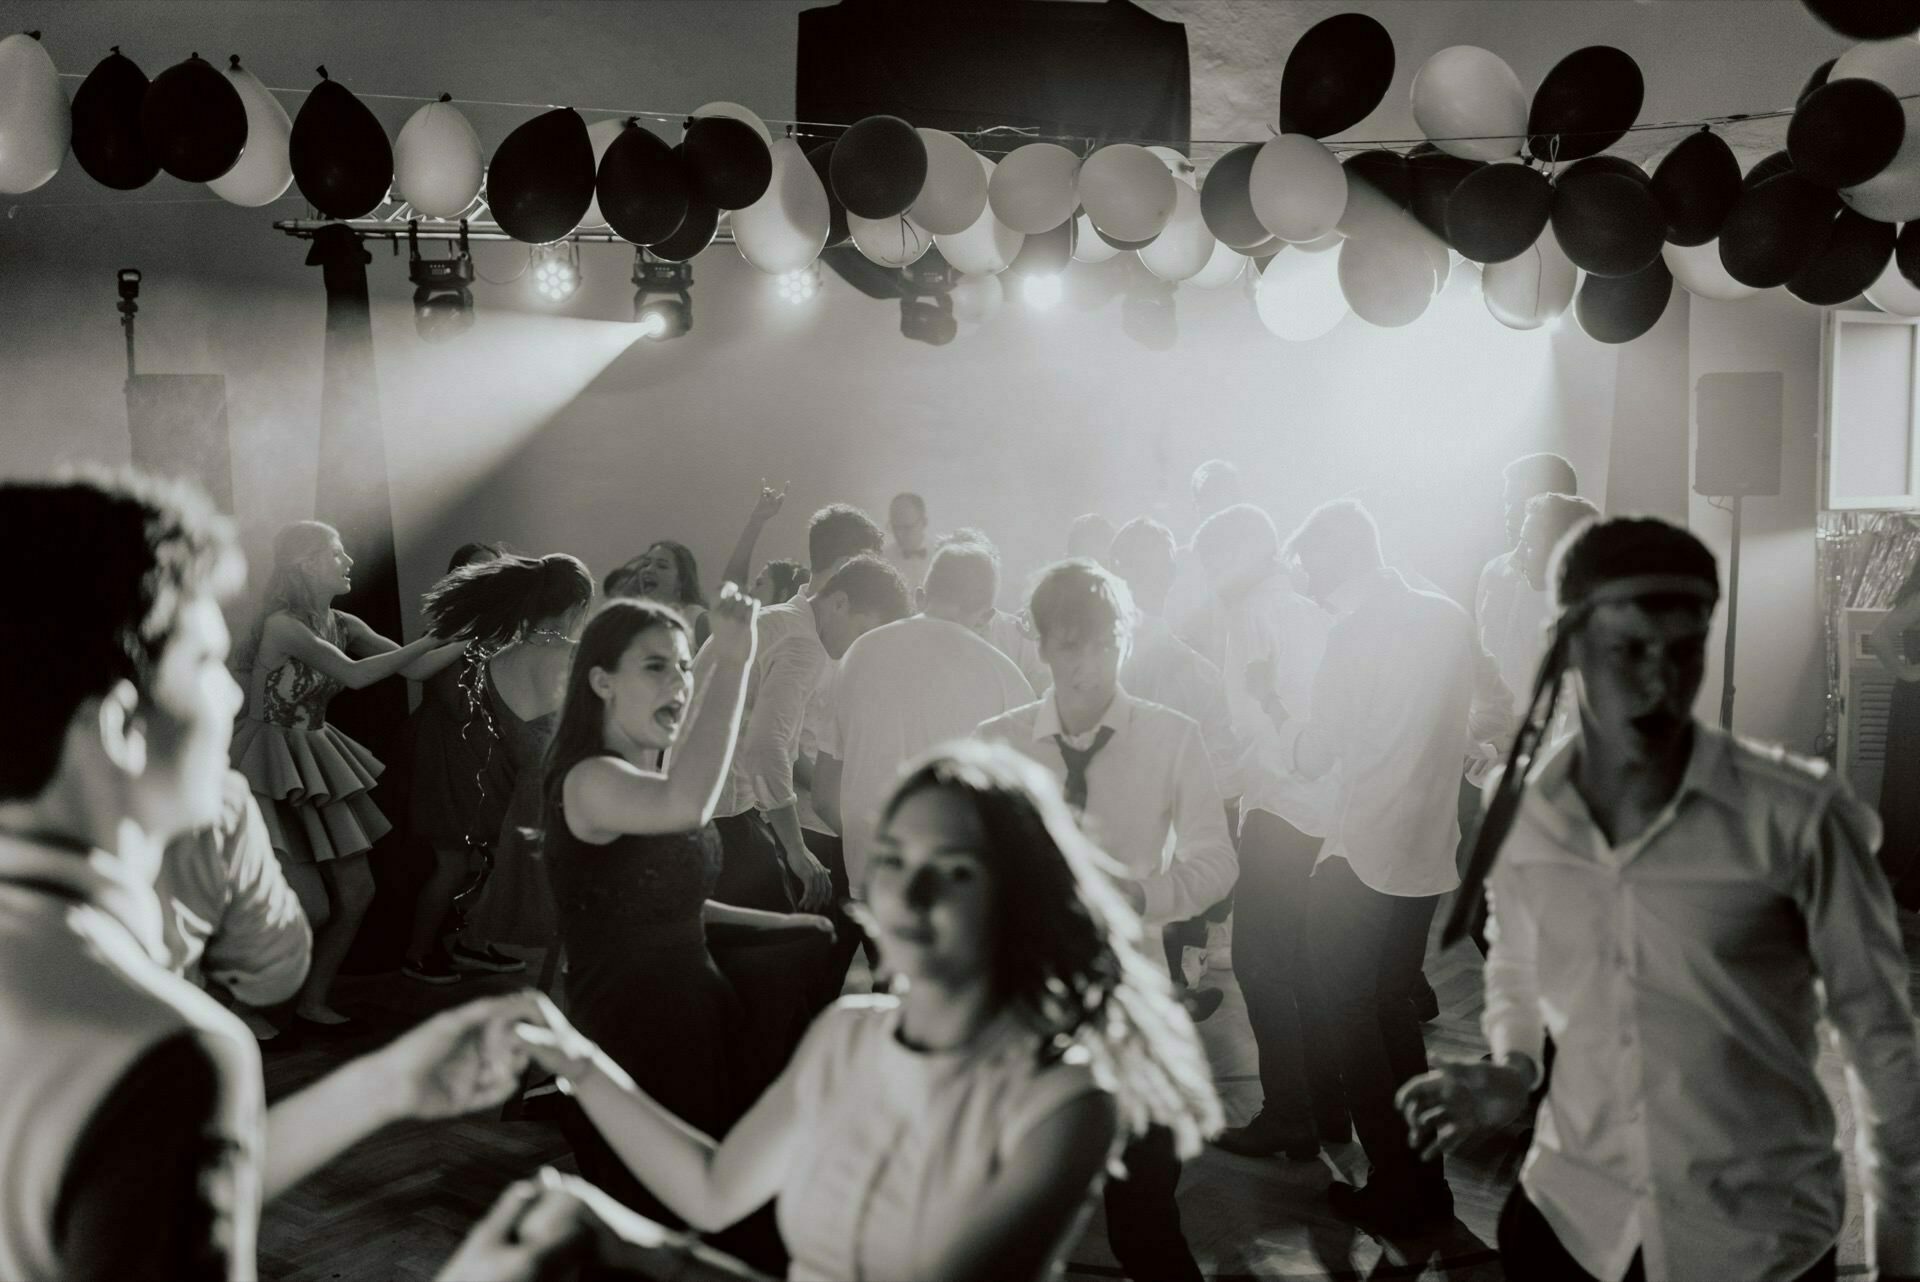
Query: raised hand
[1458,1102]
[461,1060]
[731,621]
[769,502]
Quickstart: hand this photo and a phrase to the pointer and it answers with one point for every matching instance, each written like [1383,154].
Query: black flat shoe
[1255,1140]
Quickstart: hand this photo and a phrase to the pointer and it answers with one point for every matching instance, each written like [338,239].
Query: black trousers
[1143,1218]
[1298,1081]
[1529,1249]
[1367,948]
[753,871]
[847,937]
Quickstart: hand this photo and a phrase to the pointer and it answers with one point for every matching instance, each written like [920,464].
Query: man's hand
[1459,1102]
[769,503]
[816,883]
[460,1061]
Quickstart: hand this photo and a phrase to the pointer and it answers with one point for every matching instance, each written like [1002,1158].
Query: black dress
[1900,787]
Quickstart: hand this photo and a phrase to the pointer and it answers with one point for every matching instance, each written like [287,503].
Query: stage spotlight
[663,297]
[442,302]
[929,320]
[556,270]
[1147,313]
[800,286]
[1041,292]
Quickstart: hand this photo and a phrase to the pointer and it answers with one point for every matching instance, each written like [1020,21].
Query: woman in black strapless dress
[633,857]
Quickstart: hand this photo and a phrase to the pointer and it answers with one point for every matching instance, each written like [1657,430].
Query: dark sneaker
[486,957]
[435,968]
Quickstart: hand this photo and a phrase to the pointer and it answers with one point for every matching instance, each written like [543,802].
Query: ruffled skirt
[313,788]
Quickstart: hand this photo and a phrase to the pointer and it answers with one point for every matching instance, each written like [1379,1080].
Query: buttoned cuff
[1521,1037]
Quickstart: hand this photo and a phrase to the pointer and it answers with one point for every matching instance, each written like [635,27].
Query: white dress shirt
[786,682]
[1682,976]
[1007,634]
[1195,612]
[1163,669]
[902,689]
[1151,800]
[1275,642]
[912,565]
[1406,692]
[1512,618]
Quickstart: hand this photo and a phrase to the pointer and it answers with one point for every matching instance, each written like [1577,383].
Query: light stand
[1733,618]
[129,307]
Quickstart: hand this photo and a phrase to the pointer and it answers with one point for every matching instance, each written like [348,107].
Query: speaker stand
[1733,619]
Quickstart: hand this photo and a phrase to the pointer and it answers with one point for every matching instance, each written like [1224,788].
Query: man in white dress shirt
[1193,608]
[905,548]
[1679,910]
[1274,642]
[1138,775]
[1406,692]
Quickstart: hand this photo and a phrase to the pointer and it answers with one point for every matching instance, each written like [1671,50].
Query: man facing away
[1679,910]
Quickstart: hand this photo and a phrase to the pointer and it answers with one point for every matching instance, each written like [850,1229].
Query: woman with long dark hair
[471,752]
[666,572]
[955,1131]
[1897,644]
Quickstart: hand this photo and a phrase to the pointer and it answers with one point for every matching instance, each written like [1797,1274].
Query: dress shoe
[1201,1003]
[1371,1211]
[1261,1138]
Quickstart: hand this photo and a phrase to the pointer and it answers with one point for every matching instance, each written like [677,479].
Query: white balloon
[601,134]
[977,298]
[986,247]
[1297,188]
[437,163]
[1034,189]
[1470,103]
[891,242]
[1893,194]
[1699,269]
[956,188]
[1437,255]
[1177,165]
[1184,249]
[1087,245]
[1527,291]
[263,173]
[35,120]
[1894,293]
[1127,192]
[1387,279]
[1298,297]
[1222,269]
[1329,241]
[786,228]
[737,112]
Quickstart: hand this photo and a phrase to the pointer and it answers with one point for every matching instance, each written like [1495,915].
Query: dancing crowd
[699,807]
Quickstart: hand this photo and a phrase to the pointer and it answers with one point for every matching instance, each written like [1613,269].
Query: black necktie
[1077,759]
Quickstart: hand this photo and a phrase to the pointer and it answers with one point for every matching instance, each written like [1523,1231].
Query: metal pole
[1733,619]
[129,306]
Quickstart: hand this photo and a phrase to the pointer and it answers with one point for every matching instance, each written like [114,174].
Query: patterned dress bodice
[294,695]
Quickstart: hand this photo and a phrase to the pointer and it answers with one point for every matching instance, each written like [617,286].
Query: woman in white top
[956,1130]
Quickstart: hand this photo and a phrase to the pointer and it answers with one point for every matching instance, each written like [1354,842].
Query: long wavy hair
[687,570]
[287,584]
[496,602]
[581,730]
[1065,949]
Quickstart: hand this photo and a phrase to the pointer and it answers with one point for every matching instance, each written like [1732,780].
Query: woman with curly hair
[956,1129]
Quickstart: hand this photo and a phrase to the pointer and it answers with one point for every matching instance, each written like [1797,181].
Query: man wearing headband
[1678,910]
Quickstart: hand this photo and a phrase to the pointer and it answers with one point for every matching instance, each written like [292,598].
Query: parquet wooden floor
[393,1208]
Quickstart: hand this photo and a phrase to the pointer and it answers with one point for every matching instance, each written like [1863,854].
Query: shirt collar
[1711,773]
[1119,715]
[97,878]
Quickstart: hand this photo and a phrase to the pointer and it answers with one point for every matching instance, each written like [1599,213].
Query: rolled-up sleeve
[262,945]
[1854,936]
[1511,1017]
[1203,867]
[771,740]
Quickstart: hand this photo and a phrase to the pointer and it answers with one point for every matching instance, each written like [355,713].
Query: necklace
[545,636]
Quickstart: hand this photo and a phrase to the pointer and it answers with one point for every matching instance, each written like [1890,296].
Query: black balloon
[1605,165]
[879,166]
[1619,309]
[1869,19]
[194,122]
[1585,105]
[1047,254]
[1497,212]
[1769,166]
[1814,81]
[1386,172]
[642,187]
[727,162]
[342,161]
[1335,75]
[1775,229]
[1845,132]
[694,234]
[1855,254]
[541,179]
[1436,176]
[106,125]
[1608,223]
[821,158]
[1696,184]
[1225,204]
[1906,253]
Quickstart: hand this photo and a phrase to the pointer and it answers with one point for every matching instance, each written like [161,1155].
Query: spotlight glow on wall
[556,271]
[1040,292]
[800,286]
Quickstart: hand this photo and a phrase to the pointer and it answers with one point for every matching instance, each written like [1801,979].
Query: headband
[1634,587]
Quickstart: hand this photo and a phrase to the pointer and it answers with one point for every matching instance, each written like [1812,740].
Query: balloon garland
[1521,183]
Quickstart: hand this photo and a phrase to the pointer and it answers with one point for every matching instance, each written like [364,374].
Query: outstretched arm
[291,636]
[740,564]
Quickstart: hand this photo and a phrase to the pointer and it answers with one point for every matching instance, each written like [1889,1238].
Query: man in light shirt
[905,548]
[1138,775]
[907,686]
[1007,632]
[1274,642]
[1406,692]
[1679,910]
[1510,612]
[1192,607]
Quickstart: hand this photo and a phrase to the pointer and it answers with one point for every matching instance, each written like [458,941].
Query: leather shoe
[1201,1003]
[1260,1138]
[1366,1209]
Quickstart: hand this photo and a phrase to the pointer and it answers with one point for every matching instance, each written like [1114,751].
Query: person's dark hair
[472,553]
[1065,946]
[965,576]
[840,530]
[494,603]
[1077,598]
[1543,474]
[1560,513]
[1212,471]
[787,578]
[113,557]
[872,587]
[1626,547]
[1343,529]
[580,731]
[1243,525]
[687,570]
[919,504]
